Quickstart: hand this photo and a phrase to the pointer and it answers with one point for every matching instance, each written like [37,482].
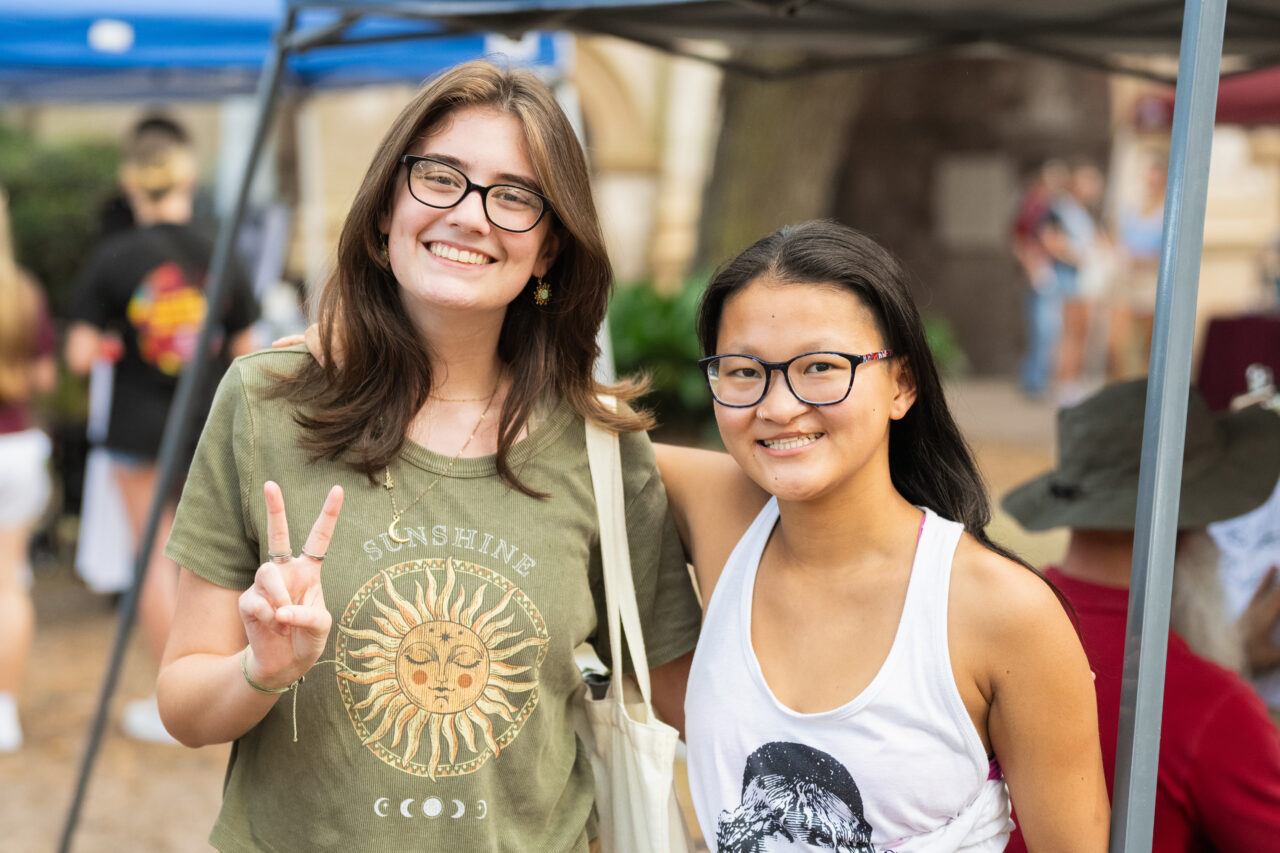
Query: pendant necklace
[390,485]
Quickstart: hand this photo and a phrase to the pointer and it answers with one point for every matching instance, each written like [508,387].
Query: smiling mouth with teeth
[791,443]
[462,256]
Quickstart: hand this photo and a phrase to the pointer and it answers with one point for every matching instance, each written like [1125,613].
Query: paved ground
[161,799]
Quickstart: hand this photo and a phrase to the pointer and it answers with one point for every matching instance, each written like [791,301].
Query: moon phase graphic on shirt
[793,794]
[438,665]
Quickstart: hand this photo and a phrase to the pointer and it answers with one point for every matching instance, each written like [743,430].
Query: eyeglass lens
[819,377]
[509,207]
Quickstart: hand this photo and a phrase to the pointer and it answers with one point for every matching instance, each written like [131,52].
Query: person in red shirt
[1218,782]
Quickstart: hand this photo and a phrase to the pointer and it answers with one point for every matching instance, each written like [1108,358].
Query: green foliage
[55,194]
[947,354]
[654,333]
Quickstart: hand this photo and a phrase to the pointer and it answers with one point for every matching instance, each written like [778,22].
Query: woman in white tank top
[873,674]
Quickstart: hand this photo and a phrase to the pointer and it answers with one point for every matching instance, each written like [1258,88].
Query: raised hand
[311,337]
[284,613]
[1259,623]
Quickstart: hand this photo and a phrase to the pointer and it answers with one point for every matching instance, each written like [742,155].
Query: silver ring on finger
[281,558]
[319,558]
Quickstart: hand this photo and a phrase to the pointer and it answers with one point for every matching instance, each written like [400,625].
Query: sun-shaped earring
[541,293]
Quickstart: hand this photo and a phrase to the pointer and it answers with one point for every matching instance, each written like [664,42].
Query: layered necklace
[390,485]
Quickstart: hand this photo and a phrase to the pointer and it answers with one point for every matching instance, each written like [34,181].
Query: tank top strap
[931,572]
[922,630]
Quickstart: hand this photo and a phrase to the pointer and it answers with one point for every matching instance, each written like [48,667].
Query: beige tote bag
[632,751]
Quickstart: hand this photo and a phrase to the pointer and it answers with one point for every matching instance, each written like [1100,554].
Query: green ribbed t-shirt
[440,714]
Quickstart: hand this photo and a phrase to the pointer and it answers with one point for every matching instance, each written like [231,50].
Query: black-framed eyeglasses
[815,378]
[508,206]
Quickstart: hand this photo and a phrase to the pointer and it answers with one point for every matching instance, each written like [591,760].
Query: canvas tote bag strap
[605,461]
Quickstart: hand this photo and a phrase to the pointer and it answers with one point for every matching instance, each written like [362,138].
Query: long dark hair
[930,462]
[362,408]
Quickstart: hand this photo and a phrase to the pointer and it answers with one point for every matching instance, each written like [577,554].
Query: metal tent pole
[178,423]
[1164,431]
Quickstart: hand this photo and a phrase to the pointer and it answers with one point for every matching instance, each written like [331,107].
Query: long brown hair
[362,409]
[20,303]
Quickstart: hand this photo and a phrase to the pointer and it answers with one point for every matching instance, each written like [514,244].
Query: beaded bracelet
[272,691]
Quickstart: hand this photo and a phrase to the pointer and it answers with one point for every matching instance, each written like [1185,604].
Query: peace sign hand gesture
[284,613]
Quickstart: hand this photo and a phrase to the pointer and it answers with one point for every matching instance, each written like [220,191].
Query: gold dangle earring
[541,293]
[382,251]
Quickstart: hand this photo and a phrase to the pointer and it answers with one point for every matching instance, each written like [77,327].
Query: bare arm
[241,343]
[280,625]
[1012,635]
[713,504]
[83,343]
[203,696]
[44,374]
[668,683]
[1258,625]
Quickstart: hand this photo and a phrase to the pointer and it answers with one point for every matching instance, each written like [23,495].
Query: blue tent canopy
[113,49]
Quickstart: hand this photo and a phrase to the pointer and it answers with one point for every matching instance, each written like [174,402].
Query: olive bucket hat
[1230,465]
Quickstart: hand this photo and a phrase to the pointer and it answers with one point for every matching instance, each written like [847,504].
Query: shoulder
[710,482]
[713,503]
[260,373]
[978,569]
[1003,608]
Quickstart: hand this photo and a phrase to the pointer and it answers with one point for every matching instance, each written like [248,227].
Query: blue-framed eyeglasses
[815,378]
[508,206]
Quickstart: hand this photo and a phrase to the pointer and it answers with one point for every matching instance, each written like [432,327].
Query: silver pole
[1164,431]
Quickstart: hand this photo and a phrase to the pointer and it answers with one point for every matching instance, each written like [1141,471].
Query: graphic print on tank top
[438,665]
[793,794]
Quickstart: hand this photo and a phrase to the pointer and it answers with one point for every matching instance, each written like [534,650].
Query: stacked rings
[280,558]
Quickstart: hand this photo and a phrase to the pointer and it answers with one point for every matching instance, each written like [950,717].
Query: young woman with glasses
[873,672]
[437,643]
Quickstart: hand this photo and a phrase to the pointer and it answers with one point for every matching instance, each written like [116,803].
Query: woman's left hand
[311,337]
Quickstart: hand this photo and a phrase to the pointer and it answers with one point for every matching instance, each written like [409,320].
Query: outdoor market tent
[93,50]
[790,36]
[779,37]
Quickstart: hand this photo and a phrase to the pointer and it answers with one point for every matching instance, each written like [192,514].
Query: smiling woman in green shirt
[436,602]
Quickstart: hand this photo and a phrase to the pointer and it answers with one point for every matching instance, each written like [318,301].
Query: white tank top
[898,768]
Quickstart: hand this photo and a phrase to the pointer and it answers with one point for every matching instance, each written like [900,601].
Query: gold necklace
[390,485]
[457,399]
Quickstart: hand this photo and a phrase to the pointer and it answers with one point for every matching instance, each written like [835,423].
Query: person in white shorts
[26,368]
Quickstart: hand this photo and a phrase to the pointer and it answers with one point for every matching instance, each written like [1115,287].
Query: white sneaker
[10,728]
[140,720]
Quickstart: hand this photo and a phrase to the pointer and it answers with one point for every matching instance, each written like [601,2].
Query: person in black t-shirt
[144,287]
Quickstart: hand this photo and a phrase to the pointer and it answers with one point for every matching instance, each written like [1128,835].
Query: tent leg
[178,424]
[1164,431]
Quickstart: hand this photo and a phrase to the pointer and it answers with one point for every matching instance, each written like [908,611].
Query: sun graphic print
[439,663]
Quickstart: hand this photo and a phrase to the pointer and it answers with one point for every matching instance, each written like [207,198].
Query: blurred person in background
[1133,302]
[1218,780]
[143,287]
[27,368]
[1247,569]
[1069,233]
[1043,304]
